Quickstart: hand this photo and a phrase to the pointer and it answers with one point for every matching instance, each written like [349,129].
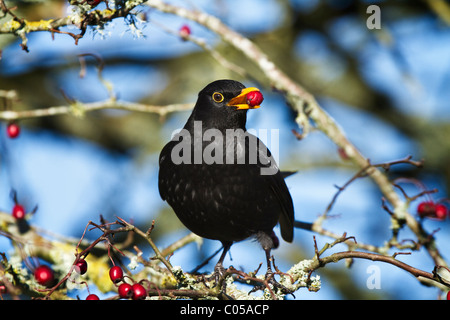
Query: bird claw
[219,274]
[270,280]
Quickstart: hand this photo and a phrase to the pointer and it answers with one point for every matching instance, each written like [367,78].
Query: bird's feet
[270,278]
[218,276]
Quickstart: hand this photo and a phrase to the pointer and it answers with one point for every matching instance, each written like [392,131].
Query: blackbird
[222,188]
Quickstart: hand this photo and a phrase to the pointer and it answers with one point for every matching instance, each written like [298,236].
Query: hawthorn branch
[82,19]
[79,108]
[335,257]
[146,236]
[202,43]
[319,262]
[317,227]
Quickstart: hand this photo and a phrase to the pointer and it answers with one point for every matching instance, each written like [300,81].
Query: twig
[146,236]
[335,257]
[88,107]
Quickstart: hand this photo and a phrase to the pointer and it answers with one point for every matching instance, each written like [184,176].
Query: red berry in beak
[254,98]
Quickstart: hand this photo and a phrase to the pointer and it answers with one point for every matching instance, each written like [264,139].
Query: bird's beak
[241,101]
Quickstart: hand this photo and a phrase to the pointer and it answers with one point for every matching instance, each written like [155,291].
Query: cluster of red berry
[430,209]
[45,276]
[135,291]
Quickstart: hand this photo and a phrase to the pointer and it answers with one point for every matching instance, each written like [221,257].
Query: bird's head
[224,104]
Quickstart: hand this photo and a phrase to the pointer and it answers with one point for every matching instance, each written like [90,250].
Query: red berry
[139,291]
[254,98]
[18,212]
[125,290]
[185,31]
[448,295]
[44,275]
[92,297]
[13,130]
[426,208]
[441,211]
[116,274]
[81,266]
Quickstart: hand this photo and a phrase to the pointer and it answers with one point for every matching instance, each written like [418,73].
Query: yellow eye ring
[217,97]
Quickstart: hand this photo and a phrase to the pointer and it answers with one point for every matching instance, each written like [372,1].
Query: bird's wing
[275,179]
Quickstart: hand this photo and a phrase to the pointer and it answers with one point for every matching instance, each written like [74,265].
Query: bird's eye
[217,97]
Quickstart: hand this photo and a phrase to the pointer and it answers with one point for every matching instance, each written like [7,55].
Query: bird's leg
[204,263]
[269,272]
[270,276]
[219,270]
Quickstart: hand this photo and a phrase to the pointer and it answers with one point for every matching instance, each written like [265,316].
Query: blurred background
[387,88]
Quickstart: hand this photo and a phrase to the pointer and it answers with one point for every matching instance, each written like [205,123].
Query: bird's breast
[223,196]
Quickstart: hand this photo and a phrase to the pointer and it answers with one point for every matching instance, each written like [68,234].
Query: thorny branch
[79,109]
[83,18]
[424,276]
[317,227]
[173,283]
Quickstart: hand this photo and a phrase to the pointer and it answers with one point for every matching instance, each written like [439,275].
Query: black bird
[214,184]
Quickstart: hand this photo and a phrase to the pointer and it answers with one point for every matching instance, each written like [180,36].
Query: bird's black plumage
[217,198]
